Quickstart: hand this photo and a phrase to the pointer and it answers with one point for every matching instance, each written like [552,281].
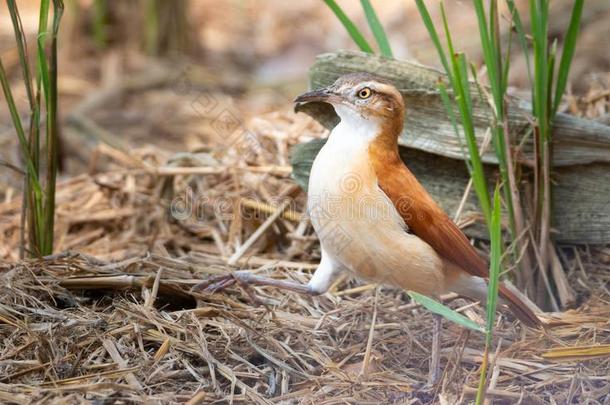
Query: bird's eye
[364,93]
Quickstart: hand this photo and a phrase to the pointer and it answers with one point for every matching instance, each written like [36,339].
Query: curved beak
[323,94]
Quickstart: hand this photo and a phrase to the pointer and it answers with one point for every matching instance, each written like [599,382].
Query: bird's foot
[213,284]
[216,283]
[219,283]
[246,278]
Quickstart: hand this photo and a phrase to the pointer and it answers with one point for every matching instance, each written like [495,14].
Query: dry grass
[117,321]
[78,327]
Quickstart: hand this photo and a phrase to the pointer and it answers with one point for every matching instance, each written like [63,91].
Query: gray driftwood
[427,127]
[581,198]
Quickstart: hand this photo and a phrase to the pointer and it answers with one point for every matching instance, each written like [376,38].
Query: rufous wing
[428,221]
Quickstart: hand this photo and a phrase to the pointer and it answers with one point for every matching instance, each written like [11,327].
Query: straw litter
[112,317]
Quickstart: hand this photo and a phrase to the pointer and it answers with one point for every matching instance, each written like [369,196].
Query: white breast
[358,226]
[344,157]
[345,203]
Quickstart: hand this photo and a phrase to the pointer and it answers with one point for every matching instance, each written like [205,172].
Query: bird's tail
[519,305]
[476,288]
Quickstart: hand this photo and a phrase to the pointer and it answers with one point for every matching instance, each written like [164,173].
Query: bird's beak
[323,94]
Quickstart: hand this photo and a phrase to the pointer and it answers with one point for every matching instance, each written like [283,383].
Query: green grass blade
[456,71]
[10,101]
[495,261]
[454,123]
[22,49]
[496,47]
[539,32]
[523,43]
[52,133]
[152,27]
[552,56]
[43,68]
[534,28]
[349,25]
[447,313]
[495,233]
[43,17]
[506,66]
[450,46]
[462,90]
[462,68]
[41,216]
[498,70]
[377,29]
[99,22]
[35,124]
[37,203]
[35,215]
[425,15]
[12,107]
[464,103]
[489,55]
[567,54]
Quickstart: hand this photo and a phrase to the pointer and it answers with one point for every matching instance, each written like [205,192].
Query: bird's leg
[435,359]
[324,276]
[247,278]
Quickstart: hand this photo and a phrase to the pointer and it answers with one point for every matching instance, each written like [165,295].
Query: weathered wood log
[581,196]
[427,126]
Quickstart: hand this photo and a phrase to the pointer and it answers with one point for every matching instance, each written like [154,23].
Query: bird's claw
[218,283]
[215,284]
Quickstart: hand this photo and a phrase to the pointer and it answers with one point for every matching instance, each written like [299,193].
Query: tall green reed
[38,212]
[495,263]
[548,84]
[497,69]
[544,107]
[356,35]
[459,79]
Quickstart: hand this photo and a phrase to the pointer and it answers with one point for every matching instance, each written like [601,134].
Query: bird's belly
[360,228]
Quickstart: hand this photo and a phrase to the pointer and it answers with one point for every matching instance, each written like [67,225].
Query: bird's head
[362,97]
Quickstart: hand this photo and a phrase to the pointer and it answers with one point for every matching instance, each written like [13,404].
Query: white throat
[354,129]
[345,154]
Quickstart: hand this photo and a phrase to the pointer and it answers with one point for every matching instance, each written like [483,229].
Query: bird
[374,219]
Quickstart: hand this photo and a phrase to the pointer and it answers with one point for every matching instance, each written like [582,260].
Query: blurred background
[256,51]
[181,58]
[176,127]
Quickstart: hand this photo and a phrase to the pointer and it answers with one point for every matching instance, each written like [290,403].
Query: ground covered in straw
[113,318]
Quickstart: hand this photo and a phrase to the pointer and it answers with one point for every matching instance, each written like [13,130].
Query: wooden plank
[427,126]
